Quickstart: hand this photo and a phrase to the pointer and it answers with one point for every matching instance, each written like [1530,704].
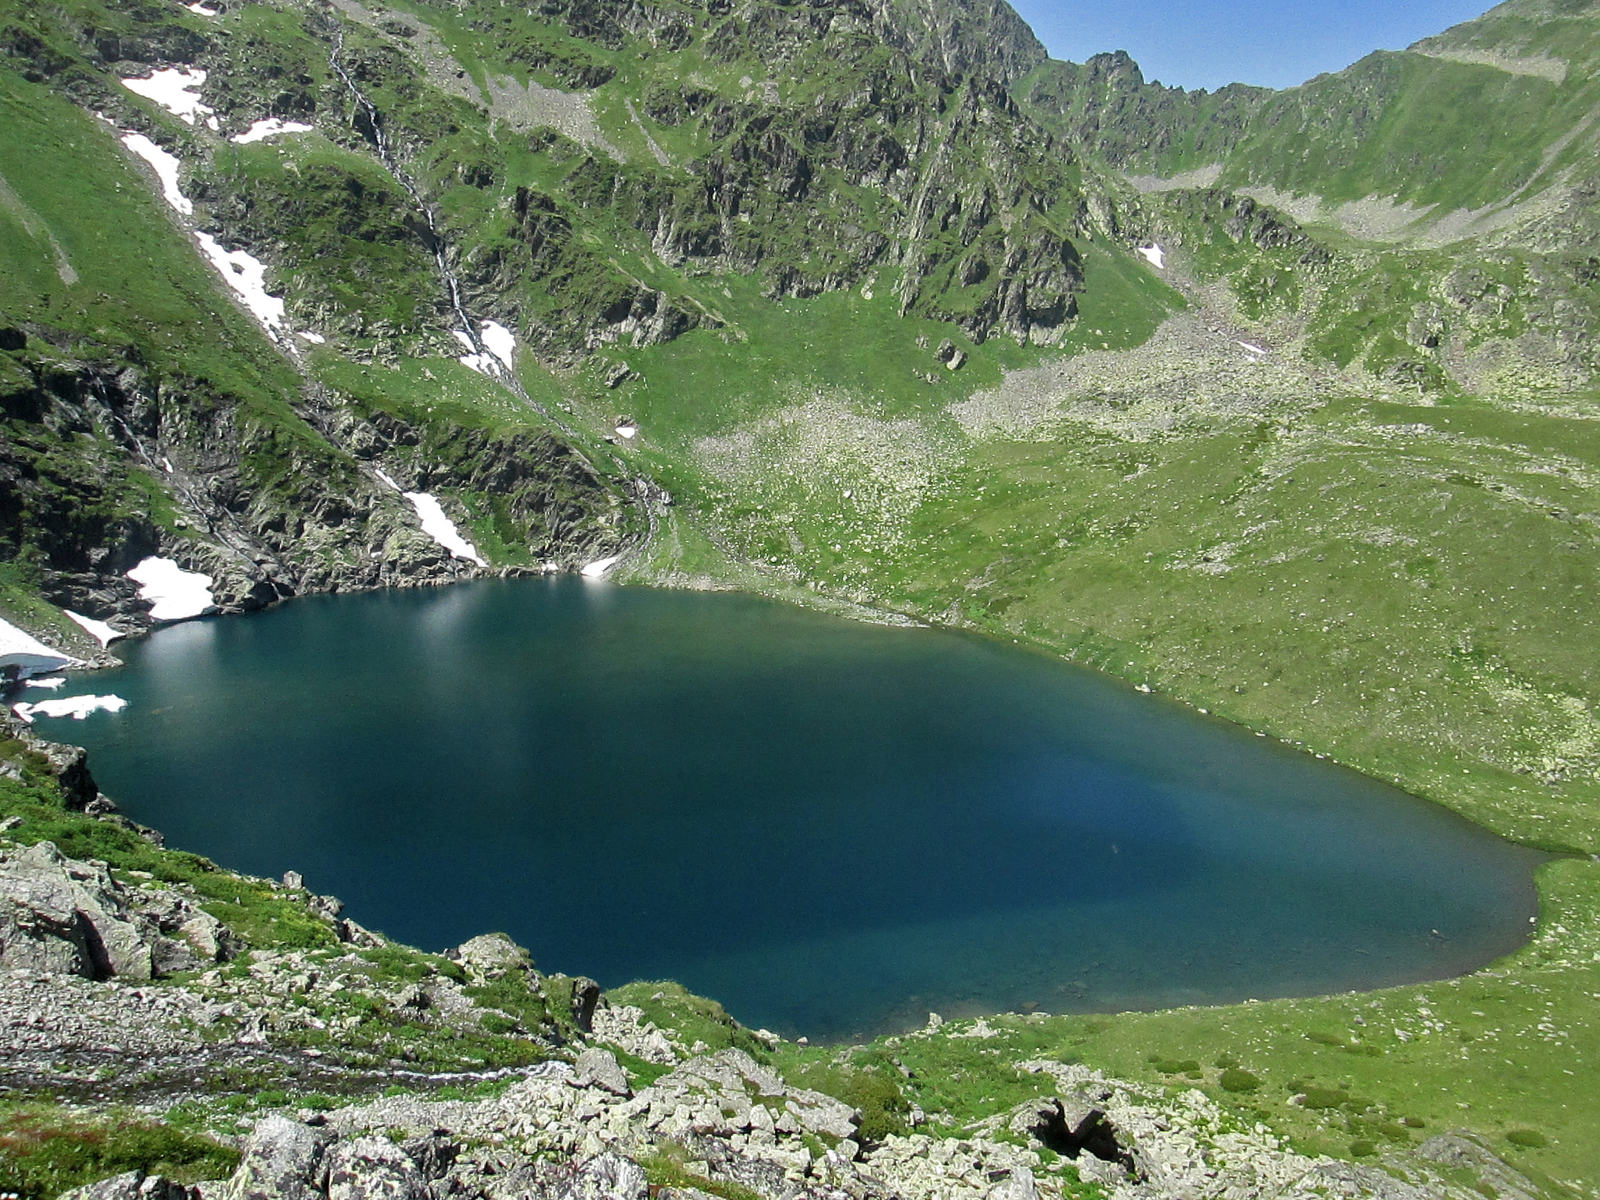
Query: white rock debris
[77,707]
[438,526]
[1155,256]
[99,630]
[27,653]
[246,275]
[176,594]
[176,90]
[165,166]
[269,127]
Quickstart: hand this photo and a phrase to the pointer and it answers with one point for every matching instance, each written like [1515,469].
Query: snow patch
[269,127]
[48,685]
[383,475]
[101,632]
[165,166]
[499,341]
[175,593]
[483,364]
[1253,348]
[27,653]
[1155,256]
[177,91]
[316,339]
[246,275]
[197,7]
[628,431]
[77,707]
[440,527]
[598,568]
[500,347]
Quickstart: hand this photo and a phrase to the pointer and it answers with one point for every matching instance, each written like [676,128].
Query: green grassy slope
[1491,109]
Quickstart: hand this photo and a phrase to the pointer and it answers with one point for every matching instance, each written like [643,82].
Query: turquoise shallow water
[831,827]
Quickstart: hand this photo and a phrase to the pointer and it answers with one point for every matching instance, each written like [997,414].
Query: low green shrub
[1528,1139]
[883,1106]
[1237,1079]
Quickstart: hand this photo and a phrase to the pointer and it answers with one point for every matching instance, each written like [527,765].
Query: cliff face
[106,462]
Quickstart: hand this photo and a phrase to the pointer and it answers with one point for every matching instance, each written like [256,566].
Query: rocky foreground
[128,989]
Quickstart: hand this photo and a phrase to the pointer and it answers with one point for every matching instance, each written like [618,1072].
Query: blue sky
[1209,43]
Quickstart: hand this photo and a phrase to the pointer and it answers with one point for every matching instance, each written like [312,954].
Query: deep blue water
[833,828]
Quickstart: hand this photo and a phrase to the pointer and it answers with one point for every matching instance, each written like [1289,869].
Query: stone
[134,1185]
[1019,1185]
[586,997]
[490,956]
[57,913]
[605,1177]
[599,1068]
[374,1168]
[281,1160]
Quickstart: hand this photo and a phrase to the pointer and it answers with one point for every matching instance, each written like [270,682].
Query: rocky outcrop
[59,914]
[267,510]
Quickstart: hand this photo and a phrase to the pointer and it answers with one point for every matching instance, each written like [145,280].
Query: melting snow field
[27,653]
[177,91]
[48,685]
[438,526]
[600,566]
[165,166]
[177,594]
[246,275]
[99,630]
[77,707]
[499,343]
[270,127]
[1155,256]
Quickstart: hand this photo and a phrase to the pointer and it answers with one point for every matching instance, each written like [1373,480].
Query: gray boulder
[135,1185]
[374,1168]
[606,1177]
[490,956]
[59,914]
[68,916]
[1019,1185]
[599,1068]
[281,1160]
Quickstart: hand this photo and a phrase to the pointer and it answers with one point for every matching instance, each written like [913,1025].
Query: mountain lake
[832,827]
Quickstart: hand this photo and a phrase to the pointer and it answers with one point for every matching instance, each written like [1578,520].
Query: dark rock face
[110,463]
